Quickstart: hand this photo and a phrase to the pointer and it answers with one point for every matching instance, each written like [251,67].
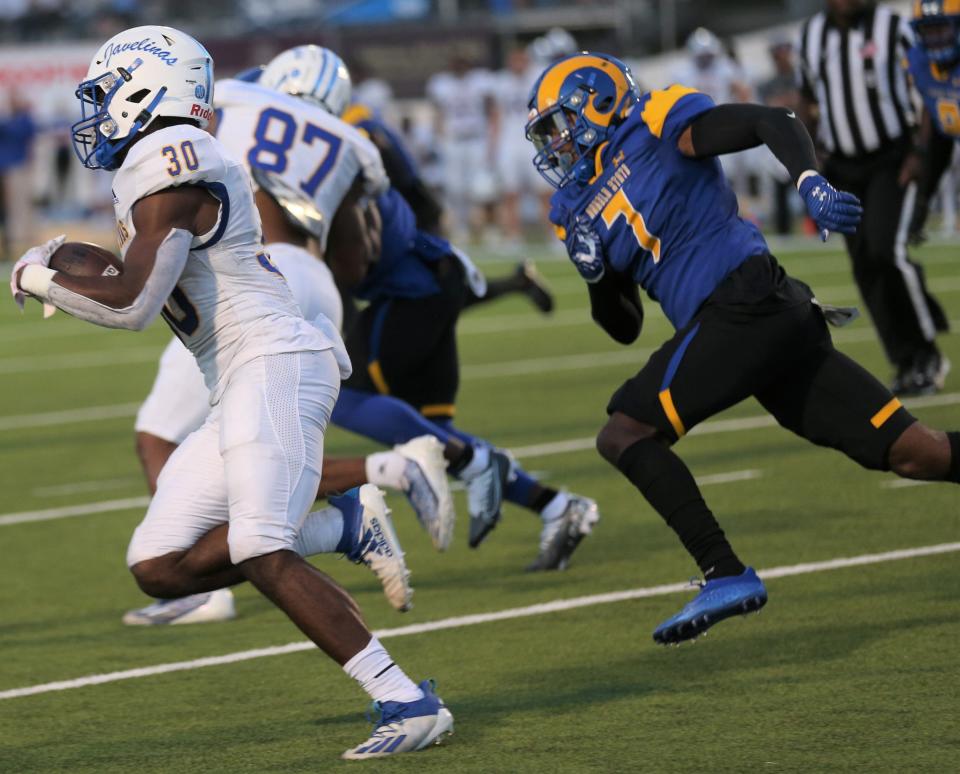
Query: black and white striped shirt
[856,77]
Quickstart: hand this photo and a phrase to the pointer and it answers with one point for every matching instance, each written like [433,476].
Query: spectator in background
[554,44]
[372,91]
[467,130]
[714,72]
[709,69]
[17,132]
[516,174]
[781,91]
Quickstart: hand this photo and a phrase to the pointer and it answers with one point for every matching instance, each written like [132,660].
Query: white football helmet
[135,77]
[312,73]
[703,43]
[552,46]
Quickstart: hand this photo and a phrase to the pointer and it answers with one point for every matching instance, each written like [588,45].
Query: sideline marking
[458,622]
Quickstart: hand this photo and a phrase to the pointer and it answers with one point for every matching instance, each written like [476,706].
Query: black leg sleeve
[668,485]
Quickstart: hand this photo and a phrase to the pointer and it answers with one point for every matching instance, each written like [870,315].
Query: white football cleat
[198,608]
[425,485]
[405,727]
[377,544]
[560,537]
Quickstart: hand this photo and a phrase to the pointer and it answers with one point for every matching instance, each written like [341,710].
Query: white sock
[481,458]
[555,508]
[320,533]
[379,676]
[386,469]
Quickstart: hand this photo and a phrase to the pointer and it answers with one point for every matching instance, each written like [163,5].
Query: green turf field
[847,669]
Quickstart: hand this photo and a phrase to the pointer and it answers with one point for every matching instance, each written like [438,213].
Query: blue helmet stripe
[333,77]
[323,69]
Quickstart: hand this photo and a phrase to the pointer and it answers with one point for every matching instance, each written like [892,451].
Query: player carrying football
[190,238]
[642,200]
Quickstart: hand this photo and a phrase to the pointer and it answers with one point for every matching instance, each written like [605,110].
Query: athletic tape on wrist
[36,280]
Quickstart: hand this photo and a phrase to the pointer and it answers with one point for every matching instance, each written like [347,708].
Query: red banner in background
[44,76]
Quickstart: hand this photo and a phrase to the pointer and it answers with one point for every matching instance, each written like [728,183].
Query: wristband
[36,280]
[805,175]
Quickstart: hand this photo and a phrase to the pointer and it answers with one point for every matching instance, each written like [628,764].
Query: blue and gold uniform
[666,220]
[633,208]
[400,166]
[403,270]
[406,336]
[939,86]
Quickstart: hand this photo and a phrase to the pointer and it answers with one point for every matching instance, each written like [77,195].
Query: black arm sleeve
[615,306]
[732,128]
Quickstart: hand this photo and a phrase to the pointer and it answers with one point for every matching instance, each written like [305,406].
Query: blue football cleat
[718,599]
[406,727]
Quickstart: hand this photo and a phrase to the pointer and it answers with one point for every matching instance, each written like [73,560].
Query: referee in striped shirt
[856,96]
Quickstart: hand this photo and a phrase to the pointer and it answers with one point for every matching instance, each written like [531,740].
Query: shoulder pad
[177,155]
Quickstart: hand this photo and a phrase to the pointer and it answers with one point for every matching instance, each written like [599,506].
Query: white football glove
[39,255]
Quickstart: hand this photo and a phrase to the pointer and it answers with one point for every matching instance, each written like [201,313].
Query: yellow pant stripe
[885,413]
[438,410]
[376,374]
[666,400]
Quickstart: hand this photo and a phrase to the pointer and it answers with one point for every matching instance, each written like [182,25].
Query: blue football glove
[831,210]
[585,250]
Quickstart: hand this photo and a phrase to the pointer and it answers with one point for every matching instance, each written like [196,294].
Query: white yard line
[85,509]
[459,622]
[903,483]
[732,477]
[95,485]
[68,416]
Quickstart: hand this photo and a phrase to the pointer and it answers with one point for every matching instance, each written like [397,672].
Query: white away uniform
[515,170]
[314,156]
[273,376]
[466,152]
[280,141]
[179,401]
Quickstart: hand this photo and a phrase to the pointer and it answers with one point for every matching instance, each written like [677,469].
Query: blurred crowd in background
[463,122]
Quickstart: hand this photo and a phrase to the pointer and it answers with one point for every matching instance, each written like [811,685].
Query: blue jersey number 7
[274,136]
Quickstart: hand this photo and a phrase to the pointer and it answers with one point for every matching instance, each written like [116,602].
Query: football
[83,259]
